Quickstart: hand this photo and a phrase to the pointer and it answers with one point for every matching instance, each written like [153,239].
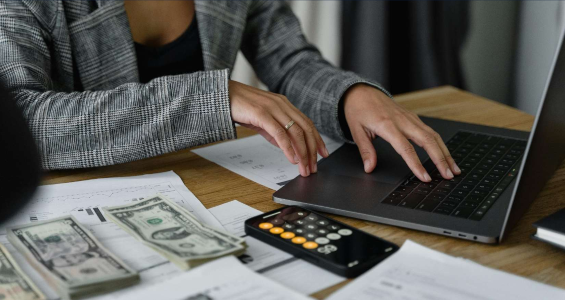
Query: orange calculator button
[276,230]
[298,240]
[265,225]
[287,235]
[310,245]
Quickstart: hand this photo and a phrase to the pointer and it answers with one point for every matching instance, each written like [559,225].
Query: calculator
[327,243]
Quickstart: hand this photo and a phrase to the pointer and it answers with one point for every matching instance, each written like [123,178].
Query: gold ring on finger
[287,126]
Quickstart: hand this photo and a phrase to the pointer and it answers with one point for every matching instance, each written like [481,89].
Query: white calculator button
[322,240]
[333,236]
[345,232]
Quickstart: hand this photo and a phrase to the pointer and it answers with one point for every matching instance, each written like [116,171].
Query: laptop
[502,173]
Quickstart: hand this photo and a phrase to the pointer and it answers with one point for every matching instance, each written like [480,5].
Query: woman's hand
[370,113]
[269,113]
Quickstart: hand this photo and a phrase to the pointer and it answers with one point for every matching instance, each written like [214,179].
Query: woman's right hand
[268,113]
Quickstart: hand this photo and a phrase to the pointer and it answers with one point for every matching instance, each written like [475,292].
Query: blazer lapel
[103,47]
[221,25]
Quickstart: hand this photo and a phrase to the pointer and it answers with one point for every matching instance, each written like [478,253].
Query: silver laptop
[503,172]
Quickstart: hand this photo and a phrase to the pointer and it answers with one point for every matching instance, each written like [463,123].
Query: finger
[447,155]
[366,148]
[321,145]
[297,139]
[309,134]
[402,146]
[427,140]
[275,130]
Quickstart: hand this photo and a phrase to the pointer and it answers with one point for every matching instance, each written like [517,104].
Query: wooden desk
[518,254]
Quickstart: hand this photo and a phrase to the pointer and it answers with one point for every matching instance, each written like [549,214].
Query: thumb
[366,148]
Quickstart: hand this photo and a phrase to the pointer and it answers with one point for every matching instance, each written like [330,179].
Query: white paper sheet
[223,279]
[417,272]
[257,159]
[271,262]
[83,200]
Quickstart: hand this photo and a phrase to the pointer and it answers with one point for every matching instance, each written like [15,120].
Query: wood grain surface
[518,254]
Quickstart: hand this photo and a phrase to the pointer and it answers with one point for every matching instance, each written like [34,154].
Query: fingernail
[456,167]
[449,174]
[308,171]
[367,164]
[296,160]
[315,168]
[326,153]
[427,177]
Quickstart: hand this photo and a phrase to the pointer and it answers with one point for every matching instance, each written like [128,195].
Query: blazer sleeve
[283,59]
[98,128]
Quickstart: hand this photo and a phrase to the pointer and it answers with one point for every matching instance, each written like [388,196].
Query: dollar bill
[14,284]
[172,231]
[73,261]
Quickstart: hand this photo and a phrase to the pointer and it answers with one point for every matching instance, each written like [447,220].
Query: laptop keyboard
[488,165]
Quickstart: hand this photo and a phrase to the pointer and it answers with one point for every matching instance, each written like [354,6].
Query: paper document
[269,261]
[84,199]
[417,272]
[257,159]
[223,279]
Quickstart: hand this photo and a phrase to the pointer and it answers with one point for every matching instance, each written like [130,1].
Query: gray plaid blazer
[72,68]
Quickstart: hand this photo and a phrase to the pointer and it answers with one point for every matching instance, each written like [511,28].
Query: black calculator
[327,243]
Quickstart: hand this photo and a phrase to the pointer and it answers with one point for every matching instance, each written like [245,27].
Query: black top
[181,56]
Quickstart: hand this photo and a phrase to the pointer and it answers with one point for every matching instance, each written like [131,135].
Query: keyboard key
[445,210]
[430,186]
[457,178]
[498,171]
[489,161]
[503,166]
[475,138]
[507,161]
[454,198]
[412,200]
[478,215]
[485,187]
[494,156]
[450,203]
[397,195]
[458,192]
[428,205]
[495,177]
[404,189]
[467,164]
[512,156]
[410,183]
[458,154]
[422,191]
[469,204]
[442,191]
[515,152]
[475,176]
[478,193]
[475,198]
[436,174]
[436,196]
[463,212]
[477,155]
[466,187]
[488,181]
[498,151]
[470,181]
[447,185]
[485,167]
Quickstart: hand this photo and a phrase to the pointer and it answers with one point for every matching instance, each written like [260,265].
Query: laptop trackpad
[391,168]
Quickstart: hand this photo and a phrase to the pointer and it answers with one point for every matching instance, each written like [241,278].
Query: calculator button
[312,218]
[298,240]
[333,227]
[299,231]
[311,236]
[333,236]
[322,232]
[277,222]
[345,232]
[301,214]
[311,227]
[299,222]
[288,226]
[322,222]
[287,235]
[276,230]
[322,240]
[310,245]
[265,226]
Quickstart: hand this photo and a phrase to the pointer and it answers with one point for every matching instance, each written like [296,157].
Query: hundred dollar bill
[173,232]
[14,284]
[73,261]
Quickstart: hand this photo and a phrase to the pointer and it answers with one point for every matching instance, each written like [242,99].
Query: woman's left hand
[370,113]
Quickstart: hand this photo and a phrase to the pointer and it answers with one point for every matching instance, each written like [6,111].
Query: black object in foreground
[19,160]
[327,243]
[551,229]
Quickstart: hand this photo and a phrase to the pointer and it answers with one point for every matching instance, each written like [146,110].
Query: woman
[102,82]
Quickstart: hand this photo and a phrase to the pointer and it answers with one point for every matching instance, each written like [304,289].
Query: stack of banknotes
[174,232]
[70,258]
[14,284]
